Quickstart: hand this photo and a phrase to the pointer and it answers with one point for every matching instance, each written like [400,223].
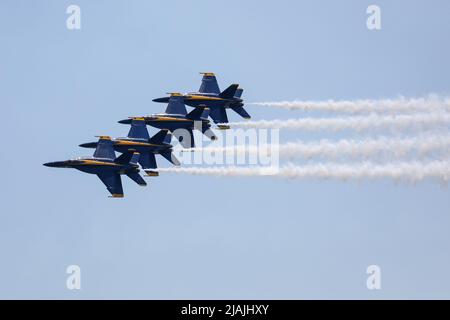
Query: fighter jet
[106,166]
[139,140]
[209,96]
[178,121]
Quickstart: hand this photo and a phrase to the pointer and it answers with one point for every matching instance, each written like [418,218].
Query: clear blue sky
[206,237]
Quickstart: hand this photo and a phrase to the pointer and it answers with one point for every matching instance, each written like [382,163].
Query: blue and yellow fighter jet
[180,123]
[106,166]
[209,96]
[139,140]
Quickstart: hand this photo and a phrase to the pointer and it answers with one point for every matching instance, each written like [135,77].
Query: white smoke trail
[403,171]
[393,147]
[427,104]
[398,122]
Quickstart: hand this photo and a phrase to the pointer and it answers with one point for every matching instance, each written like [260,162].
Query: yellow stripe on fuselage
[193,97]
[98,163]
[170,119]
[134,143]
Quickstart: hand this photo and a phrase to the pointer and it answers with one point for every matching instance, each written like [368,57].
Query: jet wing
[113,183]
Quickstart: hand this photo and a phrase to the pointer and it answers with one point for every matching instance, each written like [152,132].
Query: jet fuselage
[209,100]
[94,165]
[141,146]
[171,122]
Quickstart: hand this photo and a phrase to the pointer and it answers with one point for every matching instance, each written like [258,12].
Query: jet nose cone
[55,164]
[164,99]
[88,145]
[125,121]
[51,164]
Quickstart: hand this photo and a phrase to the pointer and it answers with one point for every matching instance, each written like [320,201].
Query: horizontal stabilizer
[241,111]
[229,92]
[159,137]
[128,157]
[171,158]
[136,177]
[195,114]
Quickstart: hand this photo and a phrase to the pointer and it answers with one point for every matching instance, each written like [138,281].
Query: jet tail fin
[136,177]
[129,157]
[196,114]
[229,92]
[159,138]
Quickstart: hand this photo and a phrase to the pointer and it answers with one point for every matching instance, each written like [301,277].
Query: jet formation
[138,148]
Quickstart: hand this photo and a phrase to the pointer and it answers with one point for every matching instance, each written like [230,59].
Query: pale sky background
[189,237]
